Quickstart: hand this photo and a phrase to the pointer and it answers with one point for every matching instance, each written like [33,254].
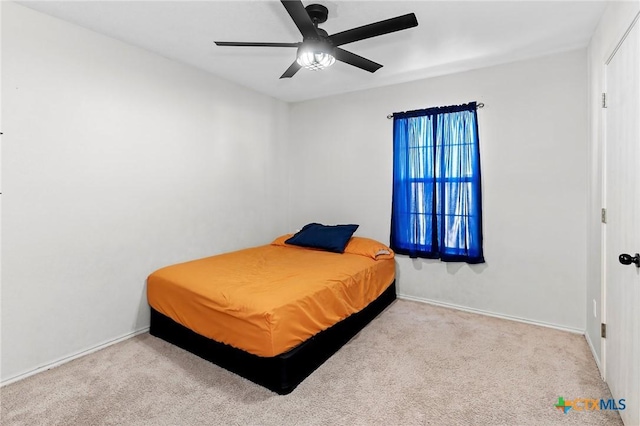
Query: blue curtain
[437,200]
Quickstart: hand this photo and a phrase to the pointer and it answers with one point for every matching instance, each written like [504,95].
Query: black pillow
[330,238]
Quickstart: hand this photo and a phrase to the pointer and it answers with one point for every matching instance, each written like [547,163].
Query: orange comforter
[268,299]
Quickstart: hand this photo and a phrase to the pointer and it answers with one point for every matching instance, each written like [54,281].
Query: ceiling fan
[318,49]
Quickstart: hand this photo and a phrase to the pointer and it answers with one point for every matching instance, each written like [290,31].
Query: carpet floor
[415,364]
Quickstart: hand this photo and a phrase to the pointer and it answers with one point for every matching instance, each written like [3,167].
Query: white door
[622,194]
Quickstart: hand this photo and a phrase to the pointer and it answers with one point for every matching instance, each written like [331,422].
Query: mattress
[267,300]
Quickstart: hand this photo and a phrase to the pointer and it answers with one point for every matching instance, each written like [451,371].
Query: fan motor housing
[318,13]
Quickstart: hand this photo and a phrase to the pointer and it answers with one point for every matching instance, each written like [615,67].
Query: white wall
[615,21]
[116,162]
[533,136]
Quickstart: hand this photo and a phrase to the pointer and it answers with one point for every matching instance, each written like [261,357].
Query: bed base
[281,373]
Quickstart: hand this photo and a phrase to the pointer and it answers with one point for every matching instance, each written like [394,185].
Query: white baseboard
[594,353]
[491,314]
[77,355]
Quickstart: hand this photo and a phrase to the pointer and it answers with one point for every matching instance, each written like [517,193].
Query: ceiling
[452,36]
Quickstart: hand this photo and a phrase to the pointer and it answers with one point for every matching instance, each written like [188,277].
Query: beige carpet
[415,364]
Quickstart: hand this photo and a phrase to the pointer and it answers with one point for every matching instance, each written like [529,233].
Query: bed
[273,313]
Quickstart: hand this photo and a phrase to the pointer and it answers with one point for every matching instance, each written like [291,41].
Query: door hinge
[603,215]
[603,330]
[604,100]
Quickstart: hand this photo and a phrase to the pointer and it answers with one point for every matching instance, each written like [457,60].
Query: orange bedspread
[266,300]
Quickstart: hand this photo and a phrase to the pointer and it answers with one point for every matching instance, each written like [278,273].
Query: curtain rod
[479,105]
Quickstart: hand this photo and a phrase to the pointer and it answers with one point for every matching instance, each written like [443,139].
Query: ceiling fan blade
[300,17]
[356,60]
[257,44]
[295,66]
[373,30]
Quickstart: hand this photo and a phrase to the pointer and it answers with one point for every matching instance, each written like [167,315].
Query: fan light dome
[315,59]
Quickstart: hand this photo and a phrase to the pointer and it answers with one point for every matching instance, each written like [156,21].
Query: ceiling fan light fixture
[315,59]
[320,50]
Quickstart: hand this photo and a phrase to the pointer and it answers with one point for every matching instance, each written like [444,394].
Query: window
[436,207]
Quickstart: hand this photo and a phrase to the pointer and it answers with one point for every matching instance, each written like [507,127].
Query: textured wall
[533,137]
[117,162]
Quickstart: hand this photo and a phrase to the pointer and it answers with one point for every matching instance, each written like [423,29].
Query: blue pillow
[324,237]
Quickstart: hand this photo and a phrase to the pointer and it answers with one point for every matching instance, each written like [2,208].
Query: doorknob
[627,259]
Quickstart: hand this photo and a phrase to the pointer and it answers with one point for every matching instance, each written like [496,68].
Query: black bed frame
[280,373]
